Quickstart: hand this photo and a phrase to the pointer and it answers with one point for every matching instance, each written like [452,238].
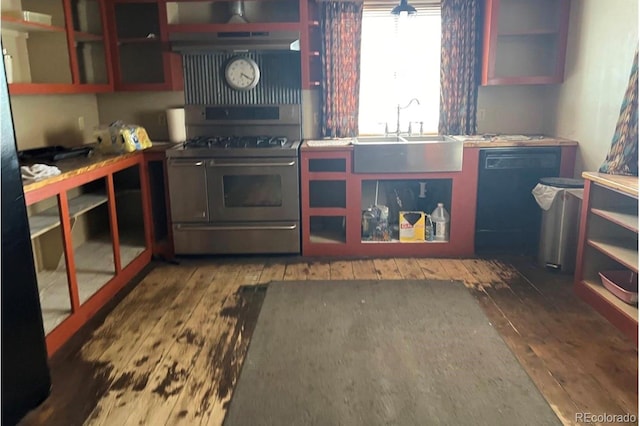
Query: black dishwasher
[507,215]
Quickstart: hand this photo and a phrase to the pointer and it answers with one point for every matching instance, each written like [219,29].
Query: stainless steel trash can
[560,224]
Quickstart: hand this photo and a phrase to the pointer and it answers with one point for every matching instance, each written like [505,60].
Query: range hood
[190,42]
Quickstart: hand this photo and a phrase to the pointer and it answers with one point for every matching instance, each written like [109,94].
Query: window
[400,60]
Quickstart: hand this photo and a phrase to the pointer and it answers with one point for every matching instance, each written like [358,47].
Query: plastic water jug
[440,218]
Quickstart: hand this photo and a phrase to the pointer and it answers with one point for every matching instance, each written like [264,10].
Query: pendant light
[404,6]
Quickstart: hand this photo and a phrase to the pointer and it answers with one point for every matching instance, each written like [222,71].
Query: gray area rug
[380,353]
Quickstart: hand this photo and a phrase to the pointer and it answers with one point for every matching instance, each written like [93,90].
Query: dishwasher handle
[520,161]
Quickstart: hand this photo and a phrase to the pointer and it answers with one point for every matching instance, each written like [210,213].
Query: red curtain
[459,66]
[341,25]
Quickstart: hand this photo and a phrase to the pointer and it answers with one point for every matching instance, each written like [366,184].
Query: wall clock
[242,73]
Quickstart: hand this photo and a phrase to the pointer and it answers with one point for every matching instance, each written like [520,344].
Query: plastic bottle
[440,218]
[428,228]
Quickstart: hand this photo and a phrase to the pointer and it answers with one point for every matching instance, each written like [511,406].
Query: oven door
[253,189]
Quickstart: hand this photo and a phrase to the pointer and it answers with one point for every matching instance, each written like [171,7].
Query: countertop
[79,165]
[625,184]
[479,141]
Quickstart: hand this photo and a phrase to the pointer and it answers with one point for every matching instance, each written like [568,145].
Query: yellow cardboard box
[411,226]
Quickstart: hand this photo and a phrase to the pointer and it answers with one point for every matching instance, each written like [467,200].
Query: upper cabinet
[88,46]
[222,22]
[142,57]
[55,46]
[524,41]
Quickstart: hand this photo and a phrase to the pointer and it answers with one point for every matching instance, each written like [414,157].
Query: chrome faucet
[398,108]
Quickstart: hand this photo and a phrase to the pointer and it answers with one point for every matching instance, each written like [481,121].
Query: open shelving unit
[524,41]
[608,241]
[67,55]
[91,233]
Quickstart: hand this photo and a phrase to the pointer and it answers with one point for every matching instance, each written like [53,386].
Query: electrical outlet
[481,115]
[81,123]
[162,119]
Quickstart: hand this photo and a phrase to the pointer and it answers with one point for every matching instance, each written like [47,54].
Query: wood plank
[575,357]
[249,273]
[169,377]
[364,269]
[623,251]
[456,271]
[386,269]
[319,270]
[409,268]
[484,273]
[547,337]
[552,390]
[432,269]
[272,272]
[341,270]
[626,219]
[209,388]
[131,373]
[80,377]
[586,338]
[296,271]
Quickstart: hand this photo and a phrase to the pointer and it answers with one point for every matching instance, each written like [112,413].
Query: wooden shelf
[628,220]
[331,236]
[131,40]
[81,36]
[225,28]
[50,218]
[622,251]
[94,269]
[628,310]
[21,25]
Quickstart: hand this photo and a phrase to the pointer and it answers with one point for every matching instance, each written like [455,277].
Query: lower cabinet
[341,210]
[90,235]
[607,262]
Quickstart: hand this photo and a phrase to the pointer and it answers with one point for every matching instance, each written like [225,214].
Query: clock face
[242,73]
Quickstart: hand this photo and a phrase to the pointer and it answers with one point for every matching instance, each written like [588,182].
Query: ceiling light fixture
[404,7]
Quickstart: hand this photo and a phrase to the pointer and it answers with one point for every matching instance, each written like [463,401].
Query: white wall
[46,120]
[516,109]
[146,109]
[603,36]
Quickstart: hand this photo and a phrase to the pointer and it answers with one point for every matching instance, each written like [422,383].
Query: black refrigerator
[25,373]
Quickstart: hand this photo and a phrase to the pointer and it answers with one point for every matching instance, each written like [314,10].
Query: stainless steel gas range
[234,184]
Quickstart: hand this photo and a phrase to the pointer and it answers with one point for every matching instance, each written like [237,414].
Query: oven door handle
[237,228]
[214,164]
[186,163]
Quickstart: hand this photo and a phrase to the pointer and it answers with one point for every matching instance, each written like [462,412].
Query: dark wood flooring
[171,349]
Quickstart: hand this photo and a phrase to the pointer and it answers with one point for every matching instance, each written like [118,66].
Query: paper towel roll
[175,122]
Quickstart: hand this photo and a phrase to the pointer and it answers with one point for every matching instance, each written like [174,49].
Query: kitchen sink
[407,154]
[427,138]
[362,140]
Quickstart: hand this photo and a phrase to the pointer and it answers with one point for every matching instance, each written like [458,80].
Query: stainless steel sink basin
[407,154]
[427,138]
[378,139]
